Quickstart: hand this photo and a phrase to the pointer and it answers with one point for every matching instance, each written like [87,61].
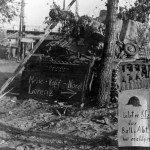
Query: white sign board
[134,118]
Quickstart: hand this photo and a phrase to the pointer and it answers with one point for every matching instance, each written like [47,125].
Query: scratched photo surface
[43,98]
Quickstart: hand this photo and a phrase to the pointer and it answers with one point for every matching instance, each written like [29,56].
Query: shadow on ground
[54,139]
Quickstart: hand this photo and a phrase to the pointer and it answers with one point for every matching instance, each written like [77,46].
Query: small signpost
[134,120]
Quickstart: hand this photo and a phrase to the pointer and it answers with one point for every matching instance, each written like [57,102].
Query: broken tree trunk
[105,70]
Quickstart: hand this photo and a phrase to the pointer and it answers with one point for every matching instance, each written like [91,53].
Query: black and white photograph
[74,74]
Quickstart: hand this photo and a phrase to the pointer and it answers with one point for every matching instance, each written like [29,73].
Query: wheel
[130,49]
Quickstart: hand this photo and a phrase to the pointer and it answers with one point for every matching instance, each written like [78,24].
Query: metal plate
[60,82]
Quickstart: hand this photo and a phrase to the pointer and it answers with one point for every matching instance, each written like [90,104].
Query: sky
[37,10]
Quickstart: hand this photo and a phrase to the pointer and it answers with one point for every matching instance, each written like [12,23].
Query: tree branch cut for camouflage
[139,12]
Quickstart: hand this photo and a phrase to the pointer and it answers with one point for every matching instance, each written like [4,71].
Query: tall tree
[105,70]
[8,9]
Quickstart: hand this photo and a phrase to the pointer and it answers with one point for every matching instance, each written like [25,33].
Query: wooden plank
[22,64]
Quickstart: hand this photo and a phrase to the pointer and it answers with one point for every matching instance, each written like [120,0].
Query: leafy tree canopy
[8,10]
[139,12]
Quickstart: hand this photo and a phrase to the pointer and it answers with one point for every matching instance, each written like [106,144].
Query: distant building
[27,42]
[13,38]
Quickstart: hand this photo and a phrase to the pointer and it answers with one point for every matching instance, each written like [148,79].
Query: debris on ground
[30,124]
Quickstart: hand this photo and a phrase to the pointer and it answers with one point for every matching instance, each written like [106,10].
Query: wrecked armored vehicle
[61,73]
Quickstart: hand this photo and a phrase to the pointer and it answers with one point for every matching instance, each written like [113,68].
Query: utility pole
[23,30]
[21,25]
[64,3]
